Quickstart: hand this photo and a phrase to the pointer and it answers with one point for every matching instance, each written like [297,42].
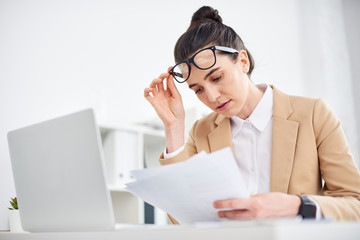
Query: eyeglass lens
[204,59]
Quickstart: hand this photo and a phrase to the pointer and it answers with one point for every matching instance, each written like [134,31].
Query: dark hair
[207,28]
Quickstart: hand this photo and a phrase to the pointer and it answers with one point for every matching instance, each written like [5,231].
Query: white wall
[326,62]
[351,10]
[60,56]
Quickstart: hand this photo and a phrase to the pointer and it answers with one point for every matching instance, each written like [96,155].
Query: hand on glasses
[169,107]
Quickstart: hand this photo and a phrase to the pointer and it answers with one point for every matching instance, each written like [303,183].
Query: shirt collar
[261,115]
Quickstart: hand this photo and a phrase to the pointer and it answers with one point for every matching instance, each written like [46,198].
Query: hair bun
[205,14]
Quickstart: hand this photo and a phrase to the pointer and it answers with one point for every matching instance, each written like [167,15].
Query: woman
[284,145]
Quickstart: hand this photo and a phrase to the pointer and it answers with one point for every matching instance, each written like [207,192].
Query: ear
[244,61]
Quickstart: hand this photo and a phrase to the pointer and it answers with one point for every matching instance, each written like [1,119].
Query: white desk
[277,230]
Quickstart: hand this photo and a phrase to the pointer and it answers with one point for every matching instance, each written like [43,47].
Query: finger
[237,214]
[148,93]
[164,75]
[158,82]
[170,83]
[155,85]
[171,86]
[234,203]
[154,82]
[160,86]
[161,79]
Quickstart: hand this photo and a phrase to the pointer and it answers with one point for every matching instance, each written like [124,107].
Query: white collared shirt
[251,140]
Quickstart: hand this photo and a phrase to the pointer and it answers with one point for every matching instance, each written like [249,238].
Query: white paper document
[187,190]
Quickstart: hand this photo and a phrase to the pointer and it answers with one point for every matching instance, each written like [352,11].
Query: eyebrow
[211,72]
[206,76]
[192,85]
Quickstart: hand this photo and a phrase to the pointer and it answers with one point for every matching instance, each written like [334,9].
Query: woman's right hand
[169,107]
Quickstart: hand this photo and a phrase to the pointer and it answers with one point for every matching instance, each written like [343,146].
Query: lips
[223,106]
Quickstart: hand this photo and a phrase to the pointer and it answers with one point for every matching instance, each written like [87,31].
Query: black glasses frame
[191,60]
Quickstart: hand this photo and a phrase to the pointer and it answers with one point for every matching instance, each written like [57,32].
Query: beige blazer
[308,146]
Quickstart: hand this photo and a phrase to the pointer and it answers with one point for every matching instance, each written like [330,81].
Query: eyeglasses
[203,59]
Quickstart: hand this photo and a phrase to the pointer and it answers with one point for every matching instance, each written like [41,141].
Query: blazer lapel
[284,138]
[220,137]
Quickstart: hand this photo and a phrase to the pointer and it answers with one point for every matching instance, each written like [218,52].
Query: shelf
[114,188]
[127,148]
[105,128]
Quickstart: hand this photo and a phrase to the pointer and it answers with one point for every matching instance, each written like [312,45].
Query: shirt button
[252,169]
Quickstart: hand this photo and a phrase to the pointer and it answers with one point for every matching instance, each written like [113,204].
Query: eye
[217,78]
[199,90]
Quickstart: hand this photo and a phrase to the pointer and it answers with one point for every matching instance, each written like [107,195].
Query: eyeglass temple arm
[175,74]
[226,49]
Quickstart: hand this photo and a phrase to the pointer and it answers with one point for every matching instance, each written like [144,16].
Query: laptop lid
[59,175]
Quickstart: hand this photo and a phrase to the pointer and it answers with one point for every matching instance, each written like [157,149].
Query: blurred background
[58,57]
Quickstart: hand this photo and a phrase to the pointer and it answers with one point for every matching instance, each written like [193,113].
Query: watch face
[307,208]
[309,211]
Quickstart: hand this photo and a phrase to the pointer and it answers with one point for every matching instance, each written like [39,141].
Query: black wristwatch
[307,208]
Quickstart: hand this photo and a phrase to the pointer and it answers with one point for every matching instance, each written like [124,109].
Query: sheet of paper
[155,171]
[187,190]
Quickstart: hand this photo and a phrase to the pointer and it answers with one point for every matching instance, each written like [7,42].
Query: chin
[227,114]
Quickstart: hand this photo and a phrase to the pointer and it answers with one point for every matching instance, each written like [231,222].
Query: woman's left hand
[267,205]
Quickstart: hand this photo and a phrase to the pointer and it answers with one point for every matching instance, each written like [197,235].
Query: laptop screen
[59,175]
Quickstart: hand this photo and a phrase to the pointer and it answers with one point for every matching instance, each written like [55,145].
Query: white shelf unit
[127,148]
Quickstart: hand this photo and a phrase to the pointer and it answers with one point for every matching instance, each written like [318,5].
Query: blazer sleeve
[189,150]
[340,197]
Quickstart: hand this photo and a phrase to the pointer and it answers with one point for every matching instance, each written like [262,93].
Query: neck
[254,97]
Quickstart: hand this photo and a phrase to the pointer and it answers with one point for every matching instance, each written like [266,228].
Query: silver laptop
[59,175]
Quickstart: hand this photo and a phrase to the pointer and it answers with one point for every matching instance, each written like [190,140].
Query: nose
[212,93]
